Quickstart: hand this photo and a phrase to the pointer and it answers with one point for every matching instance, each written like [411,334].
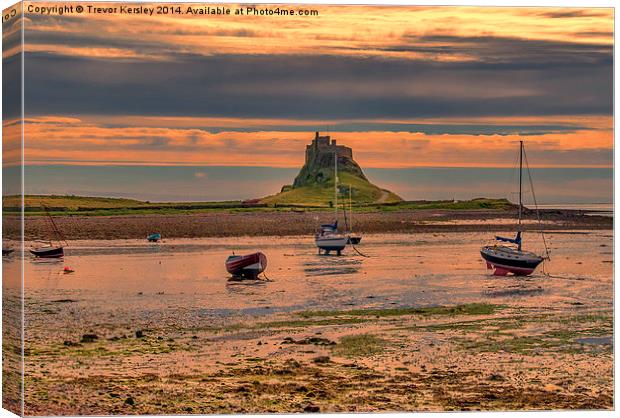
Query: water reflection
[327,265]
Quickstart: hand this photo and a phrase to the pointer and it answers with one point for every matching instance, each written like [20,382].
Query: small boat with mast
[328,238]
[354,239]
[51,250]
[507,259]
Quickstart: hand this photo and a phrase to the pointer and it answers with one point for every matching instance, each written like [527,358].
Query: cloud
[91,143]
[512,51]
[405,62]
[573,13]
[447,86]
[314,87]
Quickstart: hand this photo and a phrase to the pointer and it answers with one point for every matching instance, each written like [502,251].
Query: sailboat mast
[59,235]
[336,183]
[520,180]
[350,211]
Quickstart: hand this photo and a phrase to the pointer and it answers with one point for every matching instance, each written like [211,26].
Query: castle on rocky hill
[314,185]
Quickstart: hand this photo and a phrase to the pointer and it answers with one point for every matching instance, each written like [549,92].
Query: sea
[552,186]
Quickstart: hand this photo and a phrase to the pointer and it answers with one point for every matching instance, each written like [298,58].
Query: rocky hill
[314,185]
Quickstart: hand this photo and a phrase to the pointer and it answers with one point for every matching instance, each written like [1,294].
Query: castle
[319,166]
[326,145]
[314,184]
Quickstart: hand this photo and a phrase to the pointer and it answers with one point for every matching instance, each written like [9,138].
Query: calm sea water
[602,207]
[182,183]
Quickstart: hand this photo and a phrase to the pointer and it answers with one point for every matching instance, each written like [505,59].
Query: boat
[154,237]
[48,252]
[246,266]
[505,259]
[51,250]
[354,239]
[7,251]
[328,238]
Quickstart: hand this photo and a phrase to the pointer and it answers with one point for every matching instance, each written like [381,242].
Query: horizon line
[180,164]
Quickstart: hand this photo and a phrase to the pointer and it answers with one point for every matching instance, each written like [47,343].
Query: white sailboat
[328,238]
[504,259]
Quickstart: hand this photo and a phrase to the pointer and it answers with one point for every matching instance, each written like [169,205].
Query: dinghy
[354,239]
[246,266]
[154,237]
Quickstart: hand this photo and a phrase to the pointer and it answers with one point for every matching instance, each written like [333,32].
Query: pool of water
[398,270]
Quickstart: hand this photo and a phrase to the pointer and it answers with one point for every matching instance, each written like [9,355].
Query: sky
[405,87]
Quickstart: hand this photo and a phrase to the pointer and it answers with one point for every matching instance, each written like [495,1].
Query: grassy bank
[100,206]
[362,191]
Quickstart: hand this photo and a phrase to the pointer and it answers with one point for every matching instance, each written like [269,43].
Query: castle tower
[319,163]
[324,145]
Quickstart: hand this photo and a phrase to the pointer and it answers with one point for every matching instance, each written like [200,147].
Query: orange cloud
[340,30]
[71,140]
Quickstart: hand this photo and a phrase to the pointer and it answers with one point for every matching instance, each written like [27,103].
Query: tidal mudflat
[419,324]
[269,221]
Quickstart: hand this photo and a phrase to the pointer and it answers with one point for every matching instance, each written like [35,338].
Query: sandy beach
[417,325]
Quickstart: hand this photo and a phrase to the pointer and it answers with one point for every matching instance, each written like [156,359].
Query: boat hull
[55,252]
[246,266]
[354,239]
[519,264]
[154,237]
[329,243]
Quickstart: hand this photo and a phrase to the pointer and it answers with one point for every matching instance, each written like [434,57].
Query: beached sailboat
[246,266]
[51,250]
[507,259]
[353,238]
[328,238]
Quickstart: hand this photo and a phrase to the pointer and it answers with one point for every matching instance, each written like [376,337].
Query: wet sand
[254,223]
[420,324]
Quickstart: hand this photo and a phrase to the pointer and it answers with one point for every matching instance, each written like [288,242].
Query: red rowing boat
[248,266]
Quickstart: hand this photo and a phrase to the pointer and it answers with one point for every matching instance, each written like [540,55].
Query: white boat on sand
[328,238]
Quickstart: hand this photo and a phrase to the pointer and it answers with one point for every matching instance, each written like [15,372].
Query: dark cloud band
[313,86]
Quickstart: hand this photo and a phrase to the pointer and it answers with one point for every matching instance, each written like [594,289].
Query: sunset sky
[405,87]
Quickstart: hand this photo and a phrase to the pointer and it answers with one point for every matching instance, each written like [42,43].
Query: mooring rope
[359,252]
[542,234]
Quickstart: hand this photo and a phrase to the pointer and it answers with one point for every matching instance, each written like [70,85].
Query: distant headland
[314,185]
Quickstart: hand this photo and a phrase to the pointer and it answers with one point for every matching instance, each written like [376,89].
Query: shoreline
[237,224]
